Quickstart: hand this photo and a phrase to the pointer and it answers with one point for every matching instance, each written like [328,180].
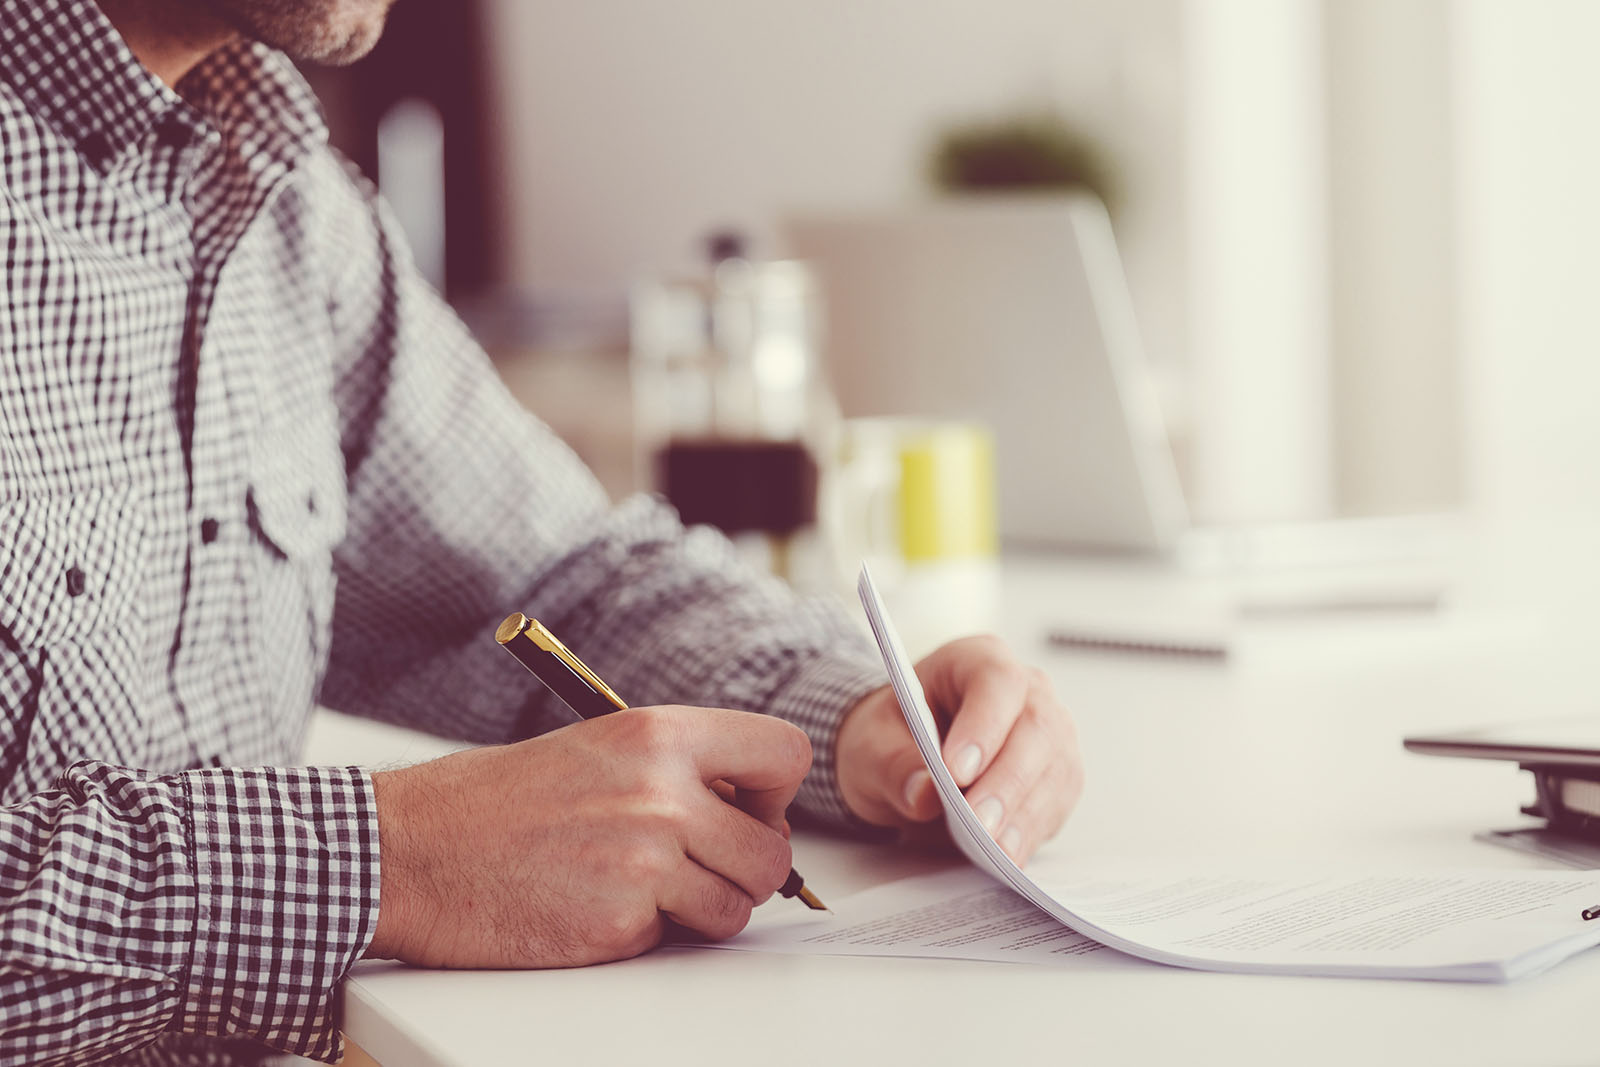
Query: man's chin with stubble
[331,32]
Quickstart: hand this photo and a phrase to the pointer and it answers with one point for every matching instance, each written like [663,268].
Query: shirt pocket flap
[70,564]
[297,494]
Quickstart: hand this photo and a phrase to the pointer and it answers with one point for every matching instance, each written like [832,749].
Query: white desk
[1289,750]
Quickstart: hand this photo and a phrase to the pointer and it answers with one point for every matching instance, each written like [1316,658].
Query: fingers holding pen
[744,851]
[730,795]
[571,848]
[763,758]
[705,902]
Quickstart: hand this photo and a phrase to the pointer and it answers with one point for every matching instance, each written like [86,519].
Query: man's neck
[168,36]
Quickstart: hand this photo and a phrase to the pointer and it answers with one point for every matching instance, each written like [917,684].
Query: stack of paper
[1474,926]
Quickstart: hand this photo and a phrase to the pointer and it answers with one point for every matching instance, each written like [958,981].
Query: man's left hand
[1009,744]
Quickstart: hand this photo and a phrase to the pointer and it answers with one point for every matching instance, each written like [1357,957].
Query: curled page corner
[966,830]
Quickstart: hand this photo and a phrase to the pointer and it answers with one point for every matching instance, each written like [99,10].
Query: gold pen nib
[795,886]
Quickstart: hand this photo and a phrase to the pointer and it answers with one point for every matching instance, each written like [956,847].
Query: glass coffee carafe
[729,399]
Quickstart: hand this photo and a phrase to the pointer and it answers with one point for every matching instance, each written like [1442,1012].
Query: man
[223,389]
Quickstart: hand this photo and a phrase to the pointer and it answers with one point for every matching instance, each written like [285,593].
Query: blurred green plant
[1028,153]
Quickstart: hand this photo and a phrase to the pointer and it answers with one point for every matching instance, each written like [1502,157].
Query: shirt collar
[73,70]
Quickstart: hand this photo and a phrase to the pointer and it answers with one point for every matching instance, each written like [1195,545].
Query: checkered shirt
[224,391]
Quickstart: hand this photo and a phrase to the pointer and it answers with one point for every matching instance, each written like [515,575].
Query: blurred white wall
[1392,213]
[1254,206]
[1527,88]
[631,128]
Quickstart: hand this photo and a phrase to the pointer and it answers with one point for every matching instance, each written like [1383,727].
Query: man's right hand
[572,848]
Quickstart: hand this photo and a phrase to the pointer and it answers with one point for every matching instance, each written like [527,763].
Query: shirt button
[208,530]
[75,581]
[96,149]
[172,133]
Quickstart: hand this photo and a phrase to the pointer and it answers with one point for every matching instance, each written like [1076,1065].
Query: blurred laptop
[1013,312]
[1016,312]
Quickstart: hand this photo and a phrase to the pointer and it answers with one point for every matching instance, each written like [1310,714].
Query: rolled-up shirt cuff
[285,862]
[817,698]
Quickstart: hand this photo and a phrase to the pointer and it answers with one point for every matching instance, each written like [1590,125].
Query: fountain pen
[582,690]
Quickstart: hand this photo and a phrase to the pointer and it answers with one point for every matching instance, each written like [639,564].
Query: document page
[1450,926]
[1464,925]
[962,915]
[1484,924]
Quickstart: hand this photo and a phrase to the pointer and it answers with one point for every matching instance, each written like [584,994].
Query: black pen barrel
[574,692]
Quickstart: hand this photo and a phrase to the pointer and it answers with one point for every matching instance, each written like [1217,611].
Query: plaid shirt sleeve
[463,508]
[132,905]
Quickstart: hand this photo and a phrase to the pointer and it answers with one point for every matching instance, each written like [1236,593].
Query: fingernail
[916,785]
[989,812]
[1011,841]
[967,761]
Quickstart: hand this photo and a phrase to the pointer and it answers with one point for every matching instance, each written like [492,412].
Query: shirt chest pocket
[69,565]
[296,498]
[296,506]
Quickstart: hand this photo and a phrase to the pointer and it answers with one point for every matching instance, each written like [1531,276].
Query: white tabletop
[1290,750]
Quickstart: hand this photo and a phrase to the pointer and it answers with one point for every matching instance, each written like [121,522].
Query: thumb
[908,787]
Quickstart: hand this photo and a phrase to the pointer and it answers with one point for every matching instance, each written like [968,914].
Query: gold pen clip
[520,625]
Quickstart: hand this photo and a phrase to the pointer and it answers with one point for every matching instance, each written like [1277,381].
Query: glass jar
[730,403]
